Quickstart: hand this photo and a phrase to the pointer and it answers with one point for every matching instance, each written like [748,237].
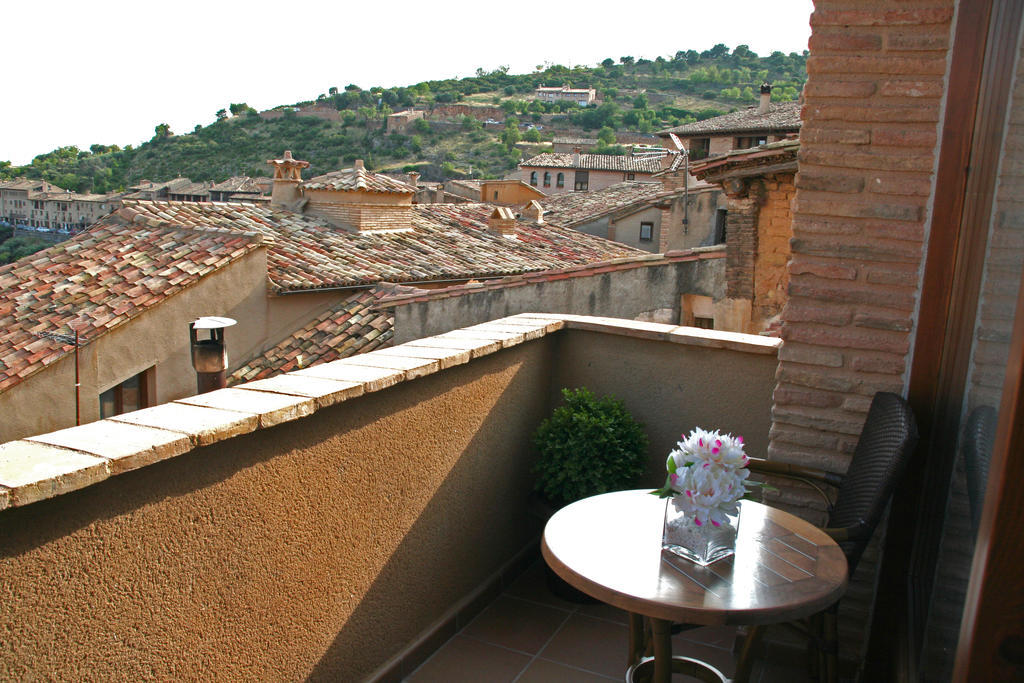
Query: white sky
[108,71]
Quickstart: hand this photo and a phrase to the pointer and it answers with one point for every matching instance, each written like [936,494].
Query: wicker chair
[883,449]
[979,435]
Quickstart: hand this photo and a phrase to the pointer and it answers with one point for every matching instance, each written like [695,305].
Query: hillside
[635,95]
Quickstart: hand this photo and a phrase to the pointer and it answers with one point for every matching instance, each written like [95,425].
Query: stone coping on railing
[49,465]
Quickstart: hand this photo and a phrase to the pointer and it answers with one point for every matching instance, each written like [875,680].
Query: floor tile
[465,660]
[595,645]
[723,637]
[723,660]
[544,671]
[516,624]
[606,612]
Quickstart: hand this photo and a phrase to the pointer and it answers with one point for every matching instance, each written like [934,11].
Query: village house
[581,96]
[563,144]
[299,277]
[400,121]
[767,122]
[39,205]
[557,173]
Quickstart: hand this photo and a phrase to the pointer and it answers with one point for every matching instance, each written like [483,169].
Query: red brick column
[876,75]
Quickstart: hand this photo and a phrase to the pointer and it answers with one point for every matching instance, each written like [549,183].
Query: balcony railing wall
[325,546]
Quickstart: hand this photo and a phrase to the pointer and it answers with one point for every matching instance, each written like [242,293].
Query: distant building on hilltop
[36,205]
[581,96]
[556,173]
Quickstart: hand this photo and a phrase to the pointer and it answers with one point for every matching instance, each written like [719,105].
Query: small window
[129,395]
[495,195]
[699,148]
[533,178]
[547,179]
[560,180]
[646,231]
[631,176]
[721,216]
[582,181]
[704,323]
[748,142]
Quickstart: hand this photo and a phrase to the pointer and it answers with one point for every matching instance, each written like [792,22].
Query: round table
[609,546]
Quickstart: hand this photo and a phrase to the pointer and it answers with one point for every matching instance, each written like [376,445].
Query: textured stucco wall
[617,294]
[672,389]
[311,550]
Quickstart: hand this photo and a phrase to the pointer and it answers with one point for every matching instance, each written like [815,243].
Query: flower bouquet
[707,477]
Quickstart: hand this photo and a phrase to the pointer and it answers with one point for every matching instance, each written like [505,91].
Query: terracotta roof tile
[348,179]
[352,326]
[595,162]
[781,117]
[574,208]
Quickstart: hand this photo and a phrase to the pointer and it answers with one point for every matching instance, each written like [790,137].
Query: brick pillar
[744,201]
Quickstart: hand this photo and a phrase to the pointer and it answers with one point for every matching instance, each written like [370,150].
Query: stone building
[558,173]
[400,121]
[42,206]
[759,188]
[767,122]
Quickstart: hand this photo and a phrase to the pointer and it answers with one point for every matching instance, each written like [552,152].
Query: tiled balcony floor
[528,635]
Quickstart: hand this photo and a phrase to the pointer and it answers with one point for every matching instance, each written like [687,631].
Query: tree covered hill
[637,95]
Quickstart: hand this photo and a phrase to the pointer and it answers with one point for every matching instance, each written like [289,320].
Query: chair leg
[746,660]
[830,632]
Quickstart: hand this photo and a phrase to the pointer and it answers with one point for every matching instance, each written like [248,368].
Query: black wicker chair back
[979,435]
[886,442]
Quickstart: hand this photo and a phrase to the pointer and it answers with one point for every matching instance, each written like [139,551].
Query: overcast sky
[108,71]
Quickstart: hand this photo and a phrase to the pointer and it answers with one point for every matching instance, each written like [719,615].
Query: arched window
[560,180]
[547,179]
[533,178]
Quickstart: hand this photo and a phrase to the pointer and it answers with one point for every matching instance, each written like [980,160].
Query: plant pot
[543,509]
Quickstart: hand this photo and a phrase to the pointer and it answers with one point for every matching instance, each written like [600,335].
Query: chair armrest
[856,532]
[798,471]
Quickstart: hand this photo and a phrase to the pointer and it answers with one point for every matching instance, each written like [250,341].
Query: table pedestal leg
[662,650]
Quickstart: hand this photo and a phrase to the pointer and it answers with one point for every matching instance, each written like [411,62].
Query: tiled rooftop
[781,117]
[773,153]
[98,280]
[448,241]
[349,179]
[236,184]
[574,208]
[351,326]
[594,162]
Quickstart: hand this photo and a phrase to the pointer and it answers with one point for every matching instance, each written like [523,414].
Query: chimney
[439,198]
[502,222]
[766,98]
[359,165]
[287,176]
[535,212]
[413,178]
[210,355]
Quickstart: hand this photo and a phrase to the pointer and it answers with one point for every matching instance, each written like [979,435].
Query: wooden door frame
[984,56]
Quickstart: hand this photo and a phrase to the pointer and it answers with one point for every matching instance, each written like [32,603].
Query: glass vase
[699,543]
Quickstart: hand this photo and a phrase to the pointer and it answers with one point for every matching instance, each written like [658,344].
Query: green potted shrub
[588,446]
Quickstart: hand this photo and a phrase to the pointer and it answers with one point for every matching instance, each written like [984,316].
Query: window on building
[748,142]
[720,223]
[560,180]
[646,231]
[131,394]
[533,178]
[699,148]
[495,195]
[582,181]
[631,176]
[547,179]
[704,323]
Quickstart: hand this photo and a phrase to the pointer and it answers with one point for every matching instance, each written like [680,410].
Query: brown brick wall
[876,73]
[774,230]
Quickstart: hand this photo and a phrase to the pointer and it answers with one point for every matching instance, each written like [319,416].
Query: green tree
[606,135]
[640,102]
[532,135]
[608,62]
[222,114]
[239,108]
[162,130]
[626,60]
[510,136]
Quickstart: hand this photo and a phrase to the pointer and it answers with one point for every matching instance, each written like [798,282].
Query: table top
[609,546]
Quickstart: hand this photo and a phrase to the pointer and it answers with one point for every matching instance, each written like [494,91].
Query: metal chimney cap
[212,322]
